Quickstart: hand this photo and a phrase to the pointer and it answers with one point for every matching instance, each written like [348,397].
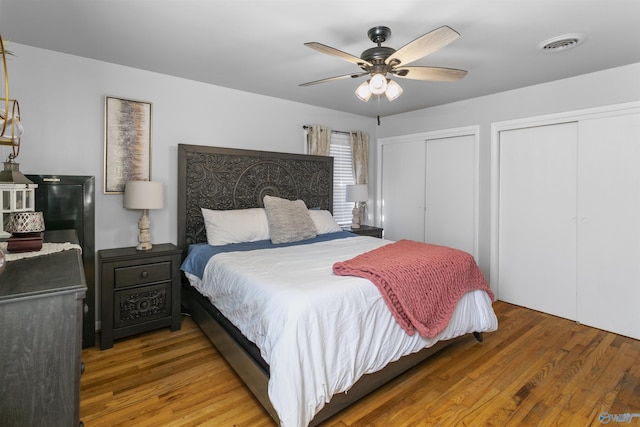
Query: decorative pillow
[235,226]
[289,220]
[324,221]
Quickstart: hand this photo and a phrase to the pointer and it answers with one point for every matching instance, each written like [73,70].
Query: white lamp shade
[378,84]
[143,195]
[363,92]
[393,90]
[357,193]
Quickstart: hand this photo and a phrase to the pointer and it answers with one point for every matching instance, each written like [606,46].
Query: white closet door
[537,232]
[403,190]
[609,224]
[450,192]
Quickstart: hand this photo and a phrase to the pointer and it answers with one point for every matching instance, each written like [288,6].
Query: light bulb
[393,90]
[378,84]
[363,92]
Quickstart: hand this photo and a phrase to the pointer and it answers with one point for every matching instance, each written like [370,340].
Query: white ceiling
[257,45]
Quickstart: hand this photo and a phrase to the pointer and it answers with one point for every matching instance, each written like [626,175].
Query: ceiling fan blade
[436,74]
[423,45]
[340,54]
[330,79]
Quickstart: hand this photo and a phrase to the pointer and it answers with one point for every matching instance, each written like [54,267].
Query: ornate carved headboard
[226,178]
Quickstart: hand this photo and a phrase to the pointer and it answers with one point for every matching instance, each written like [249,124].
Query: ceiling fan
[381,60]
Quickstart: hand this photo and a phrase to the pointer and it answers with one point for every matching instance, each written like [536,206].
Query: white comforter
[318,332]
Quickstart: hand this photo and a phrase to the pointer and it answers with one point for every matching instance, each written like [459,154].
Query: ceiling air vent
[559,43]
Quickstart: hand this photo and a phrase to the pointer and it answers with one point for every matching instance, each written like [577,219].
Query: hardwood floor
[536,370]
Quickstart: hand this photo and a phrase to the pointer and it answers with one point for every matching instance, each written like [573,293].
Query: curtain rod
[305,127]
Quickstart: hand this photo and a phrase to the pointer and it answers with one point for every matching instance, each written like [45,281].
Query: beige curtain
[360,155]
[318,140]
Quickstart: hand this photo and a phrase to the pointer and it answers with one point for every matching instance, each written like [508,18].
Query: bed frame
[224,178]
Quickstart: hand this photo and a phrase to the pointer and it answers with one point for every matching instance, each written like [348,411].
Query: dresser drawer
[141,274]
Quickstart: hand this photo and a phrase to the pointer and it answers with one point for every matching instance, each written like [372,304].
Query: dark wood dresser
[41,311]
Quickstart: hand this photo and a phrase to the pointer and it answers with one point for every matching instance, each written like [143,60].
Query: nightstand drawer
[141,274]
[141,304]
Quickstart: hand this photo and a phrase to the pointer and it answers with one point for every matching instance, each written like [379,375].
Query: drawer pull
[85,308]
[144,274]
[81,368]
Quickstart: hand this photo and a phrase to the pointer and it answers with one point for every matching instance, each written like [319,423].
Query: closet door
[537,214]
[403,190]
[609,224]
[450,193]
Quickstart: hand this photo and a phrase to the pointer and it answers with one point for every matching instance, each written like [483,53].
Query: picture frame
[127,143]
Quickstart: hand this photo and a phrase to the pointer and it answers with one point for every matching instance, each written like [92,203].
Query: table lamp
[143,195]
[357,193]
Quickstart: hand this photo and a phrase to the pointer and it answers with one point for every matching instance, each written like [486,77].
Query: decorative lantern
[18,194]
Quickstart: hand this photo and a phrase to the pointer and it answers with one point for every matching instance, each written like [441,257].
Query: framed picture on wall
[127,143]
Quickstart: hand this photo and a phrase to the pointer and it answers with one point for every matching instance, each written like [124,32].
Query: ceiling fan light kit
[374,86]
[379,61]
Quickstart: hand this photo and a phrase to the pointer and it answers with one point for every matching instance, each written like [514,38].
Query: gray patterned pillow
[289,220]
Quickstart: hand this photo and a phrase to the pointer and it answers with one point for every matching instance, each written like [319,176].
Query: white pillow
[235,226]
[324,221]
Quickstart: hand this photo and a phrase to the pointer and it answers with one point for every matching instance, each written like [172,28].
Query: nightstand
[366,230]
[140,291]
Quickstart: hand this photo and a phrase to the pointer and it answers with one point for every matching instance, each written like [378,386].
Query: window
[343,175]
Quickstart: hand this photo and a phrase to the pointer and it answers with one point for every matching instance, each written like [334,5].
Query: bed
[298,375]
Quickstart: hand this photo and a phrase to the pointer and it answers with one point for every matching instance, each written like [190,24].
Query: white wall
[613,86]
[62,103]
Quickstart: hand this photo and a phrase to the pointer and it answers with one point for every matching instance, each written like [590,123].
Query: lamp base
[144,235]
[357,215]
[144,246]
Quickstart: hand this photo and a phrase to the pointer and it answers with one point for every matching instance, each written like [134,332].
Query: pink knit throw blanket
[421,283]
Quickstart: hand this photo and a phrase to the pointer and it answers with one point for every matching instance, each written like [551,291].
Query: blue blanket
[199,254]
